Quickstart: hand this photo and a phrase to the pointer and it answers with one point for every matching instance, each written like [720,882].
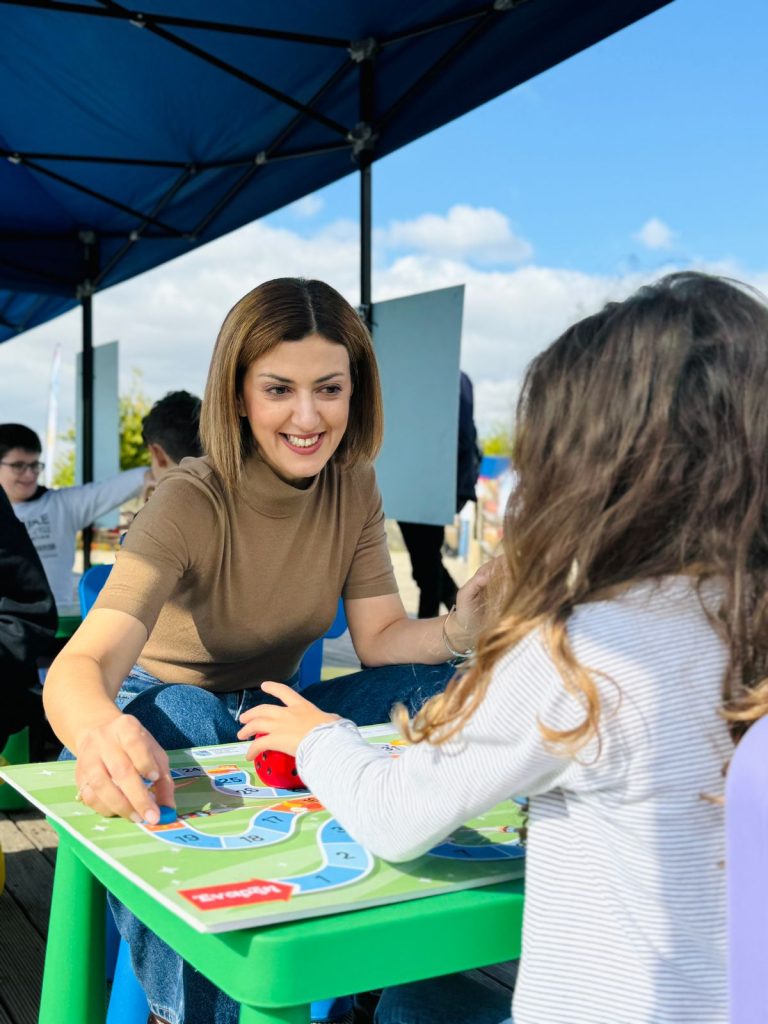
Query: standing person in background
[27,623]
[424,541]
[171,431]
[53,518]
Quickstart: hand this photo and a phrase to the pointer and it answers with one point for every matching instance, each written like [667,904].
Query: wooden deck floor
[29,845]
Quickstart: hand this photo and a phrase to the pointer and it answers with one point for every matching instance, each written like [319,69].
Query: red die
[278,770]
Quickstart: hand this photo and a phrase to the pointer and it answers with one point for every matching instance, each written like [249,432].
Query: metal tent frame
[79,217]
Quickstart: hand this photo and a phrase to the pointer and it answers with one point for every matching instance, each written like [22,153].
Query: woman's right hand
[113,762]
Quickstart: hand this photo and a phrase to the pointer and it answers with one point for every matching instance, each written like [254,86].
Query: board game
[241,854]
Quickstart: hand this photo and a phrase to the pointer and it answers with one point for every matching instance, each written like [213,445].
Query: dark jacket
[27,619]
[469,454]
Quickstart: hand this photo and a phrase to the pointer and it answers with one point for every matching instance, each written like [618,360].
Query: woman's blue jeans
[187,716]
[452,999]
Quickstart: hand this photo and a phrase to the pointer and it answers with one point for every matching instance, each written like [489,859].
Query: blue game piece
[167,815]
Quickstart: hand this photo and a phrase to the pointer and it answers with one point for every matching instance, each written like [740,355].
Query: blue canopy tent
[131,137]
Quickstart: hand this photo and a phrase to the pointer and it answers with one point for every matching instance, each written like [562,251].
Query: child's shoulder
[666,599]
[661,619]
[664,620]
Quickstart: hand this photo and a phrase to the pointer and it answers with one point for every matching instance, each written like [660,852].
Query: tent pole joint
[363,138]
[363,49]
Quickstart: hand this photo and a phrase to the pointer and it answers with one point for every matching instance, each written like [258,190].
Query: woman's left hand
[471,603]
[281,728]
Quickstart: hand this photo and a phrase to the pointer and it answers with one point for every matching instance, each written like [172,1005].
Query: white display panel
[106,421]
[418,346]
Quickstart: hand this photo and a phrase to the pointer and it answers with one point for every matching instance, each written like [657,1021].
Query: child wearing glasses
[54,517]
[627,655]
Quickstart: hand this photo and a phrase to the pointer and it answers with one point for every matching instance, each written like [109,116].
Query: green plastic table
[276,971]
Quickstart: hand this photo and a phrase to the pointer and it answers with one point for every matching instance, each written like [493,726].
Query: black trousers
[435,583]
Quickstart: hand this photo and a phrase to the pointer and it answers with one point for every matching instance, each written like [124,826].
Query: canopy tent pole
[363,140]
[365,245]
[85,294]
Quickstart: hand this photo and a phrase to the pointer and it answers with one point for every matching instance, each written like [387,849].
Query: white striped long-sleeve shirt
[625,881]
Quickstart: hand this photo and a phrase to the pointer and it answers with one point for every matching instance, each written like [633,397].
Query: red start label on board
[237,894]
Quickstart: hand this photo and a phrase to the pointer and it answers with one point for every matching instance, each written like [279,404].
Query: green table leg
[73,984]
[286,1015]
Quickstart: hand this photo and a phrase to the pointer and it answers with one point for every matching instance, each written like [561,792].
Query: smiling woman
[296,401]
[257,345]
[234,567]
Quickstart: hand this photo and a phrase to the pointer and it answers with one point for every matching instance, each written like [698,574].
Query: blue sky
[645,153]
[664,119]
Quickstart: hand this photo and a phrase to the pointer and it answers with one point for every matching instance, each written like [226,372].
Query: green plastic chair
[15,751]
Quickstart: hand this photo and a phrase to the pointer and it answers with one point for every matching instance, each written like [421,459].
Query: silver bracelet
[461,655]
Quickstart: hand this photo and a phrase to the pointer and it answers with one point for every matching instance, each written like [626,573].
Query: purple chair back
[746,812]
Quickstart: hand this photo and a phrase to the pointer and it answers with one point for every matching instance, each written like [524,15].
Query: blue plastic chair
[91,582]
[311,665]
[127,1002]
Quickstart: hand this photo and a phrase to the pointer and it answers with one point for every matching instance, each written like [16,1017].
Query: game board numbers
[343,861]
[242,855]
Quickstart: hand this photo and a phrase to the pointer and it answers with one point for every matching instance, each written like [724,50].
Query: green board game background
[253,881]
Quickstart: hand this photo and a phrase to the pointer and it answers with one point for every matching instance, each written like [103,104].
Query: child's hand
[282,728]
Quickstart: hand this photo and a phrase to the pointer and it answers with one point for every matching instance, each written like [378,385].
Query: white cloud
[655,234]
[495,402]
[307,207]
[479,233]
[167,320]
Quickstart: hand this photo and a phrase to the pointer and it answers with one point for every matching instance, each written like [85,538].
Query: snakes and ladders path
[343,860]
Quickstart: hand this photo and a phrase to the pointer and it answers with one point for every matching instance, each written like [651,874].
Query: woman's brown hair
[641,449]
[287,309]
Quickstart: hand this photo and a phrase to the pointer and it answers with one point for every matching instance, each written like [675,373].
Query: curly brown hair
[642,452]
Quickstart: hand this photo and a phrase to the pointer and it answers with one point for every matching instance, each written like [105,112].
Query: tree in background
[498,441]
[64,474]
[133,406]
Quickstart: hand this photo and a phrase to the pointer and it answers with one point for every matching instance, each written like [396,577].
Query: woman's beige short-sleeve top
[233,588]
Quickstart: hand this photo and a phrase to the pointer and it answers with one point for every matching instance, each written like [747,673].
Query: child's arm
[399,807]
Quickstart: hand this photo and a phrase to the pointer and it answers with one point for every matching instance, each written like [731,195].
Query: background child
[53,517]
[171,431]
[627,655]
